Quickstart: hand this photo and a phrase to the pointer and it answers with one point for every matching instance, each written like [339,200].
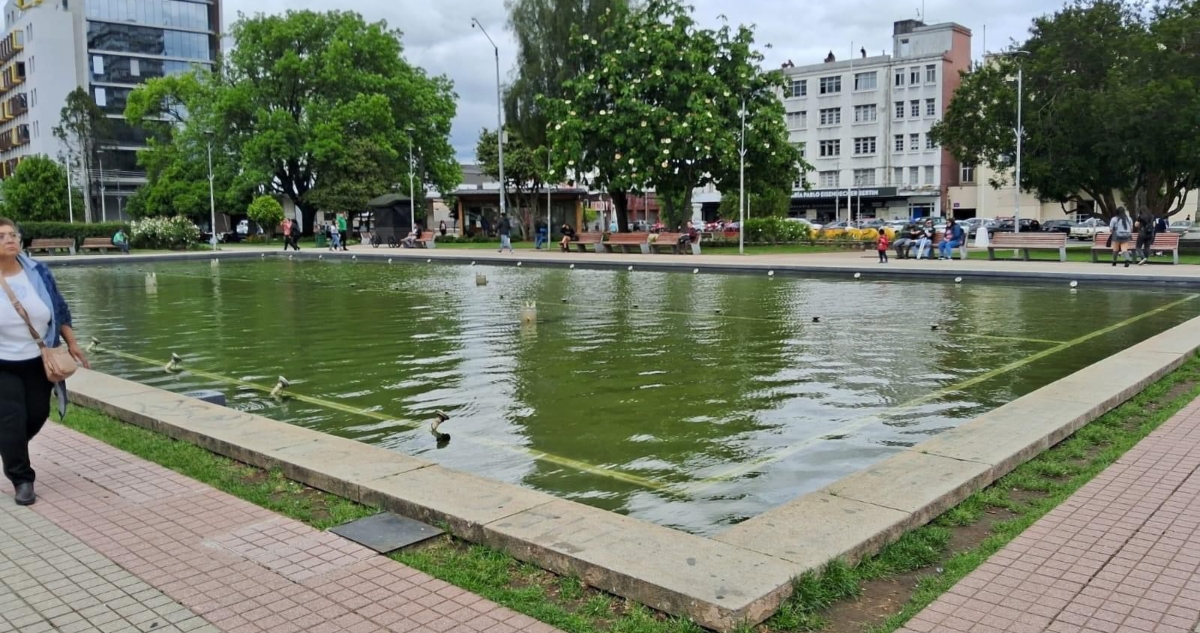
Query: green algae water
[692,401]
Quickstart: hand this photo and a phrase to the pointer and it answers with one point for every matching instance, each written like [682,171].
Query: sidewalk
[1122,554]
[117,544]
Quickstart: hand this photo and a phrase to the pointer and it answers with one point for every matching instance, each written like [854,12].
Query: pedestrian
[343,230]
[34,318]
[335,236]
[504,229]
[1120,234]
[881,245]
[442,228]
[289,234]
[1145,235]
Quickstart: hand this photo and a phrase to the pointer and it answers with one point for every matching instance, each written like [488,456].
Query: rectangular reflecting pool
[693,401]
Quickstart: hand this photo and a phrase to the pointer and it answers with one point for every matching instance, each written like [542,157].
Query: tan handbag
[57,360]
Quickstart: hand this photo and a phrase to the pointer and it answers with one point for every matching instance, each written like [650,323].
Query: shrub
[266,212]
[776,231]
[176,233]
[76,231]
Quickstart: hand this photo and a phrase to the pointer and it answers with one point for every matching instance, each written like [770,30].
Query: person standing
[34,316]
[1121,234]
[1145,235]
[343,229]
[504,229]
[335,236]
[881,245]
[442,228]
[289,234]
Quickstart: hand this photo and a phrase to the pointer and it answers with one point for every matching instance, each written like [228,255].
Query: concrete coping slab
[741,575]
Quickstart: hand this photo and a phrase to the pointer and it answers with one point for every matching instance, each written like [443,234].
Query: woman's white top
[16,343]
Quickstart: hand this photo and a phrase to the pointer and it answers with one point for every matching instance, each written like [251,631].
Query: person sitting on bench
[568,236]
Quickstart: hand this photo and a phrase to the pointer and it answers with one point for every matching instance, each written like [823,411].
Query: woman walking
[33,322]
[1122,233]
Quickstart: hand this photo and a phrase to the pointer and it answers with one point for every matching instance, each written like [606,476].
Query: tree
[83,128]
[323,108]
[37,192]
[524,172]
[1110,95]
[266,212]
[658,105]
[770,204]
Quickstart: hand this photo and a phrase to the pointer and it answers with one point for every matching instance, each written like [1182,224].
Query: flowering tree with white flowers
[657,104]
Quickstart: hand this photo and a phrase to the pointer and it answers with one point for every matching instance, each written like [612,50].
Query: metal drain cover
[386,532]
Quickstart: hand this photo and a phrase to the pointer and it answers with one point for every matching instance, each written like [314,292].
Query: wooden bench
[49,245]
[1162,242]
[428,239]
[102,244]
[627,242]
[938,236]
[1030,241]
[671,241]
[583,241]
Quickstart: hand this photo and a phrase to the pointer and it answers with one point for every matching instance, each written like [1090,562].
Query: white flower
[572,113]
[558,126]
[664,164]
[630,161]
[658,72]
[641,49]
[726,93]
[643,124]
[603,112]
[767,145]
[591,75]
[618,156]
[666,151]
[707,129]
[685,124]
[568,102]
[666,141]
[571,163]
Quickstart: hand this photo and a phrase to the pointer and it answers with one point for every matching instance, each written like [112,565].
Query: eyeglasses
[10,237]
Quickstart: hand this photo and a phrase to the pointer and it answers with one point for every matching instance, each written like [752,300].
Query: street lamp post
[549,203]
[70,198]
[212,198]
[103,202]
[1020,132]
[499,117]
[742,185]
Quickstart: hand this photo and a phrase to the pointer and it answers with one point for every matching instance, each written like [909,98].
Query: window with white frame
[866,113]
[802,148]
[914,76]
[899,78]
[914,108]
[864,177]
[831,116]
[931,107]
[797,120]
[898,176]
[831,85]
[914,176]
[899,109]
[828,179]
[866,81]
[864,145]
[798,88]
[928,175]
[899,143]
[967,174]
[831,148]
[929,144]
[931,74]
[914,142]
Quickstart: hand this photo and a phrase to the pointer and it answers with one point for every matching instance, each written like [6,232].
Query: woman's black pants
[24,407]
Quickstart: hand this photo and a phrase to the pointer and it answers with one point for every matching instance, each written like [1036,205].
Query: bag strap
[21,311]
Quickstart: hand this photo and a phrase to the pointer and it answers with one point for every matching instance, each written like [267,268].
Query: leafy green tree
[1111,92]
[770,204]
[524,172]
[266,212]
[658,104]
[37,192]
[83,128]
[323,108]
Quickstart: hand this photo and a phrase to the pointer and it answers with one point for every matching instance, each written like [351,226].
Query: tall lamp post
[742,185]
[412,200]
[70,198]
[212,198]
[1020,132]
[499,117]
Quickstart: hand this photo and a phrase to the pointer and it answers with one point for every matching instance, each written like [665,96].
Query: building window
[831,116]
[831,148]
[967,174]
[168,13]
[899,145]
[101,98]
[149,40]
[864,177]
[914,108]
[928,175]
[828,179]
[900,78]
[801,147]
[898,176]
[914,176]
[797,120]
[931,107]
[914,142]
[914,76]
[864,145]
[831,85]
[931,74]
[865,113]
[929,144]
[899,109]
[798,88]
[866,81]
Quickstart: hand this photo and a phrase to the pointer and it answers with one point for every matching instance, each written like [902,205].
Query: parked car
[812,225]
[1057,226]
[1027,226]
[1088,229]
[1181,226]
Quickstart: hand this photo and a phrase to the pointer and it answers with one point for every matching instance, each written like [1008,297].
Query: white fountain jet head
[282,384]
[176,360]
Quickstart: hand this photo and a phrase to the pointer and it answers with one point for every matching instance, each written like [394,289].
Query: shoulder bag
[57,360]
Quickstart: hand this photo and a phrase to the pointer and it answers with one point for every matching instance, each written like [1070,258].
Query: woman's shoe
[25,495]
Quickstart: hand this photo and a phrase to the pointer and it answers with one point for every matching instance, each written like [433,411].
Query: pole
[412,199]
[103,203]
[499,115]
[70,198]
[212,198]
[549,219]
[1017,184]
[742,186]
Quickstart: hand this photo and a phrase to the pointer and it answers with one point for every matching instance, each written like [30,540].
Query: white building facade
[863,124]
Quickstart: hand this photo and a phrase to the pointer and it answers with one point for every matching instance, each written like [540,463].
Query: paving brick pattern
[182,545]
[1122,554]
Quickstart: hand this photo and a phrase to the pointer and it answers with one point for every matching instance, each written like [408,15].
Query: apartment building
[107,47]
[863,124]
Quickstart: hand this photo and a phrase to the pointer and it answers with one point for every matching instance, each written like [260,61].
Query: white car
[812,225]
[1088,229]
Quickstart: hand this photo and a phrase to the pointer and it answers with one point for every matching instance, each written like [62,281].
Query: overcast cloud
[438,35]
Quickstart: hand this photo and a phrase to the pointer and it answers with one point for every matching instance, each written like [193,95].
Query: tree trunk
[677,208]
[620,200]
[309,217]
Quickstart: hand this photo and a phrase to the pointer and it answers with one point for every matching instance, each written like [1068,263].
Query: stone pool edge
[740,575]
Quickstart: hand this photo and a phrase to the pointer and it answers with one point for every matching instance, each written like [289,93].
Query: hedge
[75,230]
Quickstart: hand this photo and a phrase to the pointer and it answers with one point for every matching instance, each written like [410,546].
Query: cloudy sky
[438,35]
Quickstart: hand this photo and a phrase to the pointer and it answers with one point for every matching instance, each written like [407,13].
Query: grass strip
[1028,493]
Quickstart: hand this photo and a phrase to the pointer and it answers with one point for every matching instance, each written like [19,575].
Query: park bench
[102,244]
[49,245]
[1030,241]
[671,241]
[428,239]
[1163,242]
[938,236]
[584,241]
[627,243]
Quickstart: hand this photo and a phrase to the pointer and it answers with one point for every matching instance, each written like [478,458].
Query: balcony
[14,138]
[13,108]
[12,44]
[14,76]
